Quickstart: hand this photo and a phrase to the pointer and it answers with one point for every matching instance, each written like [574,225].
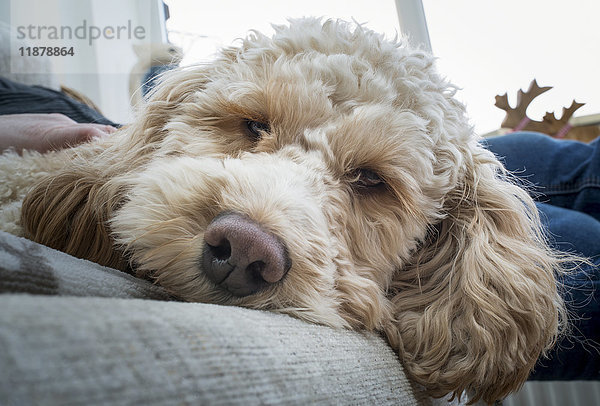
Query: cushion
[75,332]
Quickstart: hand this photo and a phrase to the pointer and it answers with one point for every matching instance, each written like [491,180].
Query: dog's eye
[257,128]
[366,179]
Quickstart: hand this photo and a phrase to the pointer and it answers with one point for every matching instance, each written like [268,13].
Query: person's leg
[577,356]
[571,231]
[565,173]
[566,176]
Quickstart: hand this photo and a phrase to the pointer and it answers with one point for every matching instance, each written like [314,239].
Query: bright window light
[492,47]
[202,27]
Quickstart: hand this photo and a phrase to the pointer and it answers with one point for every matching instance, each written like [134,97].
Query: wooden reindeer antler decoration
[516,118]
[557,125]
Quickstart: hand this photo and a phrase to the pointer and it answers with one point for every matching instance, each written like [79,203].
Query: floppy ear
[69,211]
[478,304]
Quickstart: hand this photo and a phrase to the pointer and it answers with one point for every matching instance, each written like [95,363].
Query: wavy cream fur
[448,260]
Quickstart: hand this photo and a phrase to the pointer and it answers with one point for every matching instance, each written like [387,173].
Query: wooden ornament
[516,118]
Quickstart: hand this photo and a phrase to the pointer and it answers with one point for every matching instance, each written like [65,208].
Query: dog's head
[329,173]
[322,144]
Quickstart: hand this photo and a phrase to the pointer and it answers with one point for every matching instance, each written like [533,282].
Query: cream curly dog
[326,173]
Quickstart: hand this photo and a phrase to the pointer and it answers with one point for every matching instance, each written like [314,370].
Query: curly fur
[448,260]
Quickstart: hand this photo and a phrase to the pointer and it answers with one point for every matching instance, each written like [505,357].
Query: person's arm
[45,132]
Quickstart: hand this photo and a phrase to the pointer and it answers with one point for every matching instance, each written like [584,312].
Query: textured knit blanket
[27,267]
[76,333]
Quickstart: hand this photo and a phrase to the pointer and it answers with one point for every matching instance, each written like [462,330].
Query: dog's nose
[240,256]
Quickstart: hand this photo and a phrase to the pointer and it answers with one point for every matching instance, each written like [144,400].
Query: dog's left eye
[366,179]
[257,128]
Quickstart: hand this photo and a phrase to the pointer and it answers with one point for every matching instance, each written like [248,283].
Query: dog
[325,172]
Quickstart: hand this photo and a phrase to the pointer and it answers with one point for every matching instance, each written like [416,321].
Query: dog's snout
[242,257]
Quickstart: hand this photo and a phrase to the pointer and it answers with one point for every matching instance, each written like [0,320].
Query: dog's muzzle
[241,257]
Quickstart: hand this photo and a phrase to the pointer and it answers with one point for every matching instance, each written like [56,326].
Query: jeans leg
[577,356]
[566,176]
[570,230]
[565,173]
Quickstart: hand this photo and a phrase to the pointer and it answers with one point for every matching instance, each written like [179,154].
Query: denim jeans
[565,176]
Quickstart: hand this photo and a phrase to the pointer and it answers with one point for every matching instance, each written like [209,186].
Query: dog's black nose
[240,256]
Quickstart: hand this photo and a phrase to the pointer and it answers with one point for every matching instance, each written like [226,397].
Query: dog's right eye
[366,179]
[257,128]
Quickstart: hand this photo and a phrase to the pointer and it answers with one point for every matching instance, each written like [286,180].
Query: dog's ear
[68,211]
[478,304]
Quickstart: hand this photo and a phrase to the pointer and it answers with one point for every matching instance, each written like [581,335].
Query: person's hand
[44,132]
